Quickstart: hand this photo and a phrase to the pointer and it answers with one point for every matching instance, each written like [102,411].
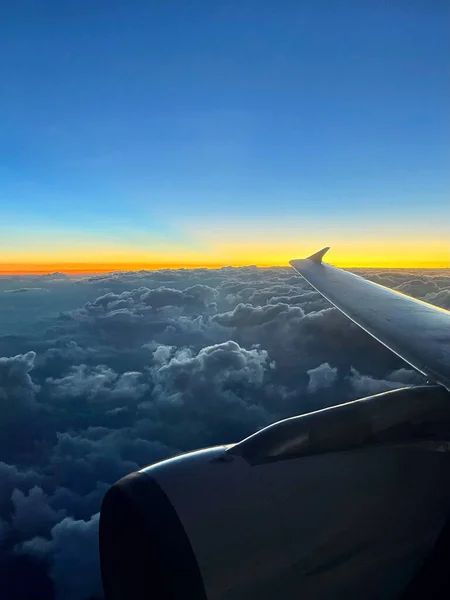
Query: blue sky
[146,126]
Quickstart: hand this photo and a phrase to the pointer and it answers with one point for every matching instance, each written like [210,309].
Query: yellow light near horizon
[369,254]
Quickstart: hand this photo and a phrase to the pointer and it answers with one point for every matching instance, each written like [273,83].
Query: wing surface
[417,332]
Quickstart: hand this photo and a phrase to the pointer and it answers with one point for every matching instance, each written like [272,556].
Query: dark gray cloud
[323,376]
[72,551]
[16,385]
[55,276]
[12,478]
[418,287]
[99,383]
[32,514]
[216,389]
[100,376]
[18,403]
[440,298]
[366,385]
[25,289]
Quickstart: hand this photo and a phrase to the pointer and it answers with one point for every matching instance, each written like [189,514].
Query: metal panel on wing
[416,331]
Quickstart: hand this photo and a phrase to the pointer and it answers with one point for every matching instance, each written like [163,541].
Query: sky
[149,134]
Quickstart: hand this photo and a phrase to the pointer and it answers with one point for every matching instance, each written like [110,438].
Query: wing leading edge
[417,332]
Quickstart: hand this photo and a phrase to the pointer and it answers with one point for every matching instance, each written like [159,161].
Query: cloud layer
[103,375]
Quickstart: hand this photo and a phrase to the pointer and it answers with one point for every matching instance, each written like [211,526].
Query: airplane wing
[417,332]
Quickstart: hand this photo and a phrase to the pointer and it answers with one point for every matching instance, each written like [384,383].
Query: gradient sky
[146,133]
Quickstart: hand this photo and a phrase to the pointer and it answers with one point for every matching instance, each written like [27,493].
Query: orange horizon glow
[207,246]
[267,250]
[93,268]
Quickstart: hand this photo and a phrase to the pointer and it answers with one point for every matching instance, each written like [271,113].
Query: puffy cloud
[79,462]
[98,384]
[441,298]
[16,385]
[418,288]
[73,555]
[197,296]
[366,385]
[247,315]
[18,403]
[191,298]
[323,376]
[33,514]
[13,478]
[58,356]
[214,364]
[162,354]
[215,389]
[55,276]
[101,455]
[406,376]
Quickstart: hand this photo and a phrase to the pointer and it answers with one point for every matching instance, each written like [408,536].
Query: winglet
[317,257]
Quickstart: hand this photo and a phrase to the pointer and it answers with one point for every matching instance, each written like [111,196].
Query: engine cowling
[341,503]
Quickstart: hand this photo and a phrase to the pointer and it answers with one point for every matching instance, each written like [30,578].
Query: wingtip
[318,256]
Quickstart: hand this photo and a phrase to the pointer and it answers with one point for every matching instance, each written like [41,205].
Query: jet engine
[345,502]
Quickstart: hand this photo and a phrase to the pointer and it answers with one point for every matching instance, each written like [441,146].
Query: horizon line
[86,269]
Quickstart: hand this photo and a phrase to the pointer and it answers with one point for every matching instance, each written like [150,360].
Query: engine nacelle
[341,503]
